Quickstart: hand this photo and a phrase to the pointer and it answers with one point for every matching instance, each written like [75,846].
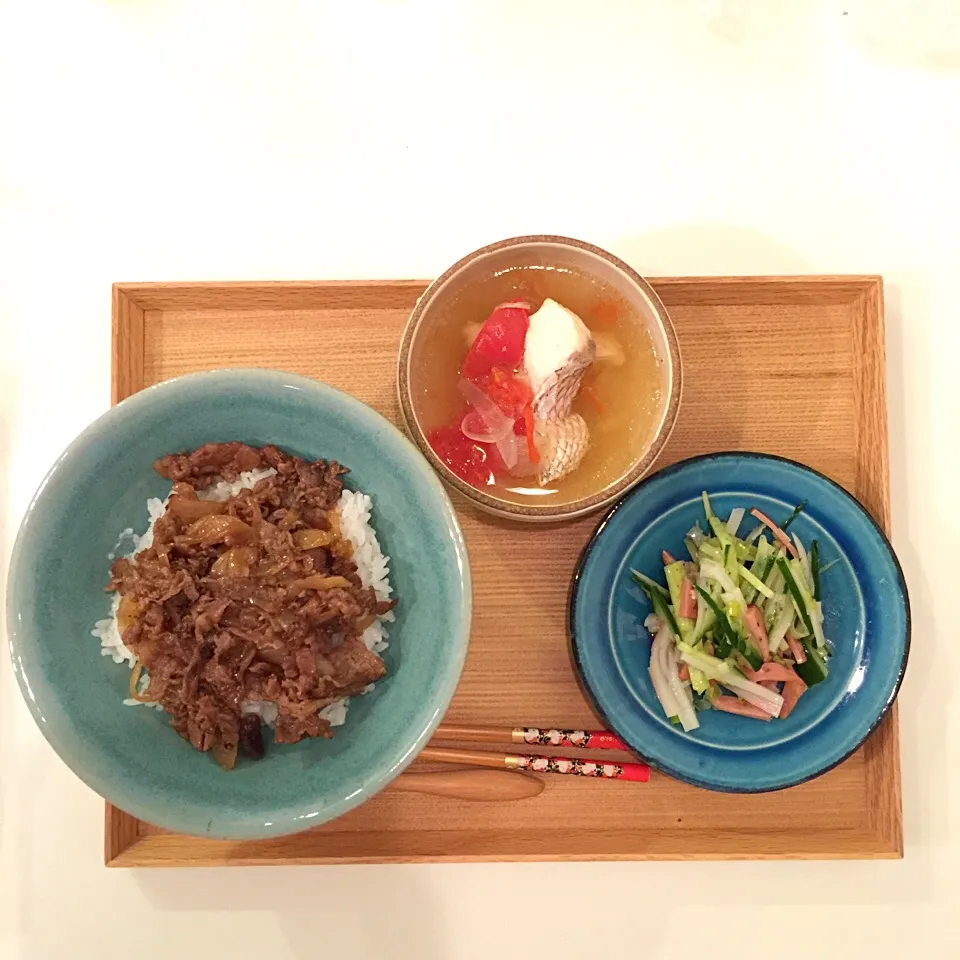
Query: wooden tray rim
[124,847]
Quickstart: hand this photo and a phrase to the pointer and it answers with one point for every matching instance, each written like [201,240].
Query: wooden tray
[825,335]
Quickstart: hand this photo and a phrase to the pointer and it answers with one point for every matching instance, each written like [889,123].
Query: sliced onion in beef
[189,508]
[312,538]
[234,562]
[495,422]
[218,529]
[127,612]
[317,581]
[513,305]
[150,695]
[225,754]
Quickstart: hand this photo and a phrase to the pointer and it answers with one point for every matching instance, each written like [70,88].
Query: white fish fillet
[557,351]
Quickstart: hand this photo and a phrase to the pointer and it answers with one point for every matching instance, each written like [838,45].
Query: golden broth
[619,403]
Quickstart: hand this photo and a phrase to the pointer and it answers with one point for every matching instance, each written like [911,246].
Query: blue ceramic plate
[130,755]
[865,606]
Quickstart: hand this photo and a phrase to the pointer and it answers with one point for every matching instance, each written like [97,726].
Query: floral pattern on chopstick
[556,738]
[580,768]
[553,737]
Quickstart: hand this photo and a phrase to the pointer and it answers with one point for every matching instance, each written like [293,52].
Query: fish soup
[538,384]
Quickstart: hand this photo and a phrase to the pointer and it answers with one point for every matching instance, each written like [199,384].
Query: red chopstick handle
[580,768]
[594,739]
[601,740]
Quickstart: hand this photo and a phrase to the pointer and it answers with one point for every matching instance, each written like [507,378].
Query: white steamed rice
[372,567]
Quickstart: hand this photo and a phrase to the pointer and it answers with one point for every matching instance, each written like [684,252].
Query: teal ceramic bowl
[60,565]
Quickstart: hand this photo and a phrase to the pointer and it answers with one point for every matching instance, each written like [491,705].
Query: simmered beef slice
[355,666]
[291,728]
[239,603]
[210,463]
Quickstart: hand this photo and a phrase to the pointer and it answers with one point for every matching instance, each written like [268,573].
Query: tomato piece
[476,463]
[498,344]
[511,395]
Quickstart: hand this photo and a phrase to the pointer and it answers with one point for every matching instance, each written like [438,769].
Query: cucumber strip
[675,573]
[725,640]
[755,582]
[642,580]
[815,669]
[747,650]
[706,621]
[773,579]
[794,589]
[797,510]
[744,550]
[662,609]
[730,564]
[692,549]
[734,640]
[698,680]
[815,568]
[713,667]
[719,529]
[717,573]
[804,559]
[720,532]
[710,551]
[813,608]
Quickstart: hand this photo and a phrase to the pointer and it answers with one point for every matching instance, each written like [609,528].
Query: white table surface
[151,140]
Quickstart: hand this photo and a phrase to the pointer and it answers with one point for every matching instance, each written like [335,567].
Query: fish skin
[562,445]
[556,394]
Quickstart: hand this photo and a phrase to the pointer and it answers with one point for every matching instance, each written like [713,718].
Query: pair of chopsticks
[537,763]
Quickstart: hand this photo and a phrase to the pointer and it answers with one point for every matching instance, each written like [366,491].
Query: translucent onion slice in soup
[509,449]
[473,427]
[494,424]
